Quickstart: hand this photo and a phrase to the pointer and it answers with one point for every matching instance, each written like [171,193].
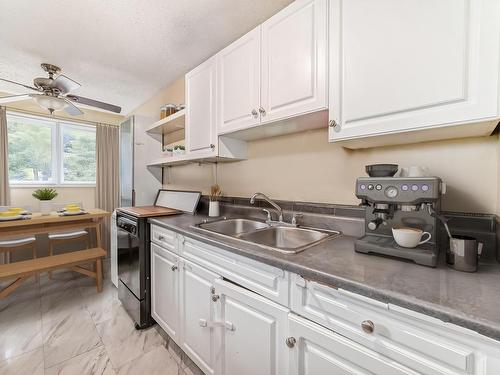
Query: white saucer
[66,213]
[9,218]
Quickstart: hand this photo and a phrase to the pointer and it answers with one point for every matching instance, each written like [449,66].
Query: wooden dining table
[36,224]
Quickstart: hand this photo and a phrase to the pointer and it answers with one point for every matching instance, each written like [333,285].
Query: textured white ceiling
[121,51]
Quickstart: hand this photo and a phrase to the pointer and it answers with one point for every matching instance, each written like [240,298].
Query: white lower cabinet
[198,315]
[254,333]
[319,351]
[218,309]
[165,290]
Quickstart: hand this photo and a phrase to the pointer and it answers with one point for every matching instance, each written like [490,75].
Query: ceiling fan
[54,94]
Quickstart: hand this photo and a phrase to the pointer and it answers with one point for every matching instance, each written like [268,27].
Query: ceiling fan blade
[14,98]
[94,103]
[19,84]
[65,84]
[72,109]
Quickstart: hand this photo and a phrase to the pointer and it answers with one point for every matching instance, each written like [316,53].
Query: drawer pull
[161,238]
[174,267]
[368,326]
[290,342]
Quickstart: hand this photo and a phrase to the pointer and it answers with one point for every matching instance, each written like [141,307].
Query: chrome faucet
[268,200]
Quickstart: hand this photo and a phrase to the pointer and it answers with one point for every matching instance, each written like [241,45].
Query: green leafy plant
[45,194]
[179,147]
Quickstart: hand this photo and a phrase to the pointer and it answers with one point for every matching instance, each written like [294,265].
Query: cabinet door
[238,84]
[200,130]
[294,60]
[254,333]
[402,65]
[165,290]
[320,351]
[198,337]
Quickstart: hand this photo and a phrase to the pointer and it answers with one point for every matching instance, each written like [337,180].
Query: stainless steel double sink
[280,237]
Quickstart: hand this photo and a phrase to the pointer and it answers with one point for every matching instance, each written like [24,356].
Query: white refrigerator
[138,182]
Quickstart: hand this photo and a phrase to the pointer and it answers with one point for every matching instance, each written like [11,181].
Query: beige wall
[22,196]
[174,93]
[306,167]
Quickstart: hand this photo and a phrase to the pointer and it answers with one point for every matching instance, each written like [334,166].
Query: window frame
[57,153]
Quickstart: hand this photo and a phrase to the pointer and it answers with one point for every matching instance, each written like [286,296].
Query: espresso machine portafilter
[400,202]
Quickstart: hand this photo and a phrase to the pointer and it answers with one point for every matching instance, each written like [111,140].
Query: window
[50,152]
[78,154]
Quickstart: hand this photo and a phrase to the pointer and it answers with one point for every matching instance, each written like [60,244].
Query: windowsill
[39,186]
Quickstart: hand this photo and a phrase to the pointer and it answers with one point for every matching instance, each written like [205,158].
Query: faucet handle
[295,217]
[268,214]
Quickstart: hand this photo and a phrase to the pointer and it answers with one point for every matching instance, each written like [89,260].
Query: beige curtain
[107,178]
[4,160]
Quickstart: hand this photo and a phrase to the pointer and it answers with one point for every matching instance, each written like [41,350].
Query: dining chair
[61,237]
[16,243]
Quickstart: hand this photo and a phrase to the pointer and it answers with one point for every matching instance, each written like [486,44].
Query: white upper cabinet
[201,131]
[403,65]
[294,60]
[238,84]
[276,71]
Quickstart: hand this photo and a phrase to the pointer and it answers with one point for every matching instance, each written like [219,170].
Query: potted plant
[213,205]
[45,196]
[179,150]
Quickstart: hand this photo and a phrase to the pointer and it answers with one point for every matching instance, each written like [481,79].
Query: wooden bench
[73,260]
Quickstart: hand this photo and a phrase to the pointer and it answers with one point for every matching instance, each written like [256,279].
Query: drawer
[415,343]
[258,277]
[164,238]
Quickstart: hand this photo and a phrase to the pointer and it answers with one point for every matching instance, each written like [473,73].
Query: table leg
[98,234]
[13,286]
[98,270]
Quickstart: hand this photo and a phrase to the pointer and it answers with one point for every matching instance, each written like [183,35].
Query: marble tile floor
[64,327]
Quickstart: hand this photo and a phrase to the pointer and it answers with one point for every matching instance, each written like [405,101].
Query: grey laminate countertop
[471,300]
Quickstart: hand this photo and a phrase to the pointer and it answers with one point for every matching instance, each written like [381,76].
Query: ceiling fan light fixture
[50,103]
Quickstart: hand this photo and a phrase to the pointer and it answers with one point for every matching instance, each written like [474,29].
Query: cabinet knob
[262,111]
[203,323]
[290,342]
[335,125]
[212,146]
[174,267]
[368,326]
[161,238]
[215,298]
[255,113]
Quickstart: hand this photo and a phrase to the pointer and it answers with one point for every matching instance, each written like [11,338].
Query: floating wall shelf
[169,124]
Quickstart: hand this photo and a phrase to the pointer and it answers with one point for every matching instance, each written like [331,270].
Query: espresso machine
[400,202]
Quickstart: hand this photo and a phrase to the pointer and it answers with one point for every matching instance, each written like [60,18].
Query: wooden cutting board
[148,211]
